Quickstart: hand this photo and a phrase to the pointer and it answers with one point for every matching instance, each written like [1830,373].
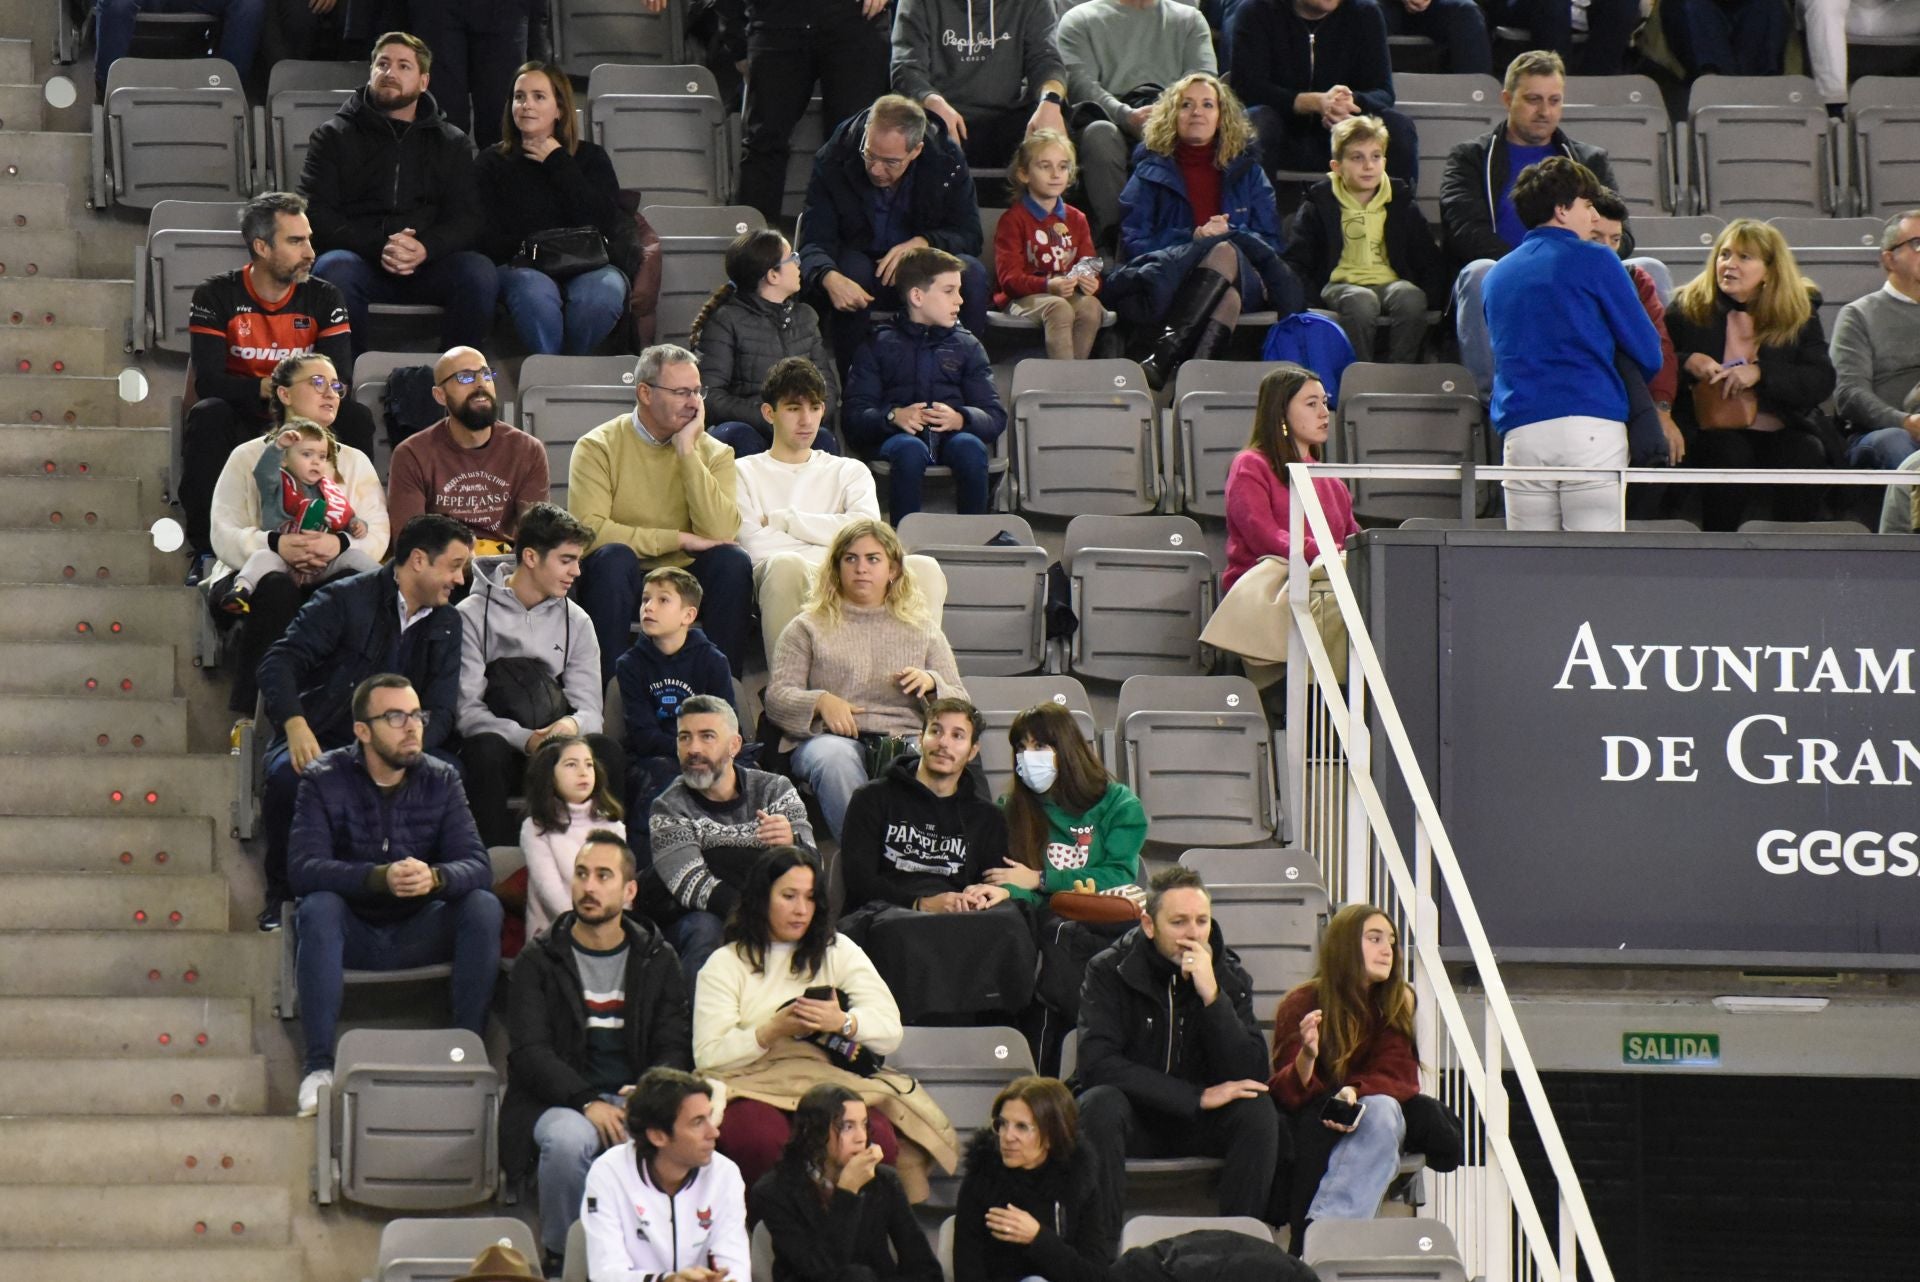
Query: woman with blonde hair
[857,665]
[1199,230]
[1346,1070]
[1754,370]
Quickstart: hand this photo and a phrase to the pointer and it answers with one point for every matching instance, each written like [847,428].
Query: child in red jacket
[1043,251]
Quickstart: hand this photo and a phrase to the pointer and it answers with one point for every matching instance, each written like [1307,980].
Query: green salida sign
[1670,1050]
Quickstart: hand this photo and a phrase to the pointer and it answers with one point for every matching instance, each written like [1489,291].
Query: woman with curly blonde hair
[857,664]
[1199,230]
[1754,370]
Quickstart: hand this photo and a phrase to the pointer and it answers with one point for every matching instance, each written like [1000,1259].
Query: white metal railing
[1340,818]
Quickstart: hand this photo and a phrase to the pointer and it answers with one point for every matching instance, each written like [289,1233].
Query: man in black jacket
[1477,224]
[1303,66]
[888,181]
[392,621]
[1172,1062]
[396,214]
[593,1003]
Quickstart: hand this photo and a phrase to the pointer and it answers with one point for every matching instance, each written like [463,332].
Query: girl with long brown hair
[1291,421]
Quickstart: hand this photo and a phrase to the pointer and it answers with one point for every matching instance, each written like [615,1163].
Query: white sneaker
[310,1090]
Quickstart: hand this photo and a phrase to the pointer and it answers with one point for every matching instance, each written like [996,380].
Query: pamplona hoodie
[982,56]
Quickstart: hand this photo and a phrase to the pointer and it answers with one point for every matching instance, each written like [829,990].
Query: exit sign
[1670,1050]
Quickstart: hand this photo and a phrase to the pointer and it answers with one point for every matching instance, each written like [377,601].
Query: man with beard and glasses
[709,827]
[593,1003]
[470,466]
[389,870]
[396,211]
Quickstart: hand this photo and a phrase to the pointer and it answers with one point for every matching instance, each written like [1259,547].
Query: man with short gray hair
[656,490]
[1876,355]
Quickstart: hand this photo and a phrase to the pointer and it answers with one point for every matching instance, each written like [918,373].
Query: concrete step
[83,555]
[64,784]
[88,724]
[16,62]
[52,448]
[186,1086]
[112,616]
[102,901]
[94,402]
[40,156]
[185,1264]
[149,1027]
[130,846]
[58,349]
[75,502]
[106,303]
[91,963]
[22,106]
[27,254]
[35,206]
[155,1150]
[119,670]
[94,1216]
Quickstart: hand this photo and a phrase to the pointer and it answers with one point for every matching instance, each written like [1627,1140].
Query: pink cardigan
[1257,514]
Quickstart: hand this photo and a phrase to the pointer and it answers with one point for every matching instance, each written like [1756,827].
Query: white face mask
[1036,768]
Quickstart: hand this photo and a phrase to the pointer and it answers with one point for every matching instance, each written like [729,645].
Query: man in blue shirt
[1557,309]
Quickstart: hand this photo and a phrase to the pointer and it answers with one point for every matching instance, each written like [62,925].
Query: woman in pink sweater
[1290,424]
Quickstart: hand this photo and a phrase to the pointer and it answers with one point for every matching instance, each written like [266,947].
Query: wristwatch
[890,413]
[846,1025]
[1055,98]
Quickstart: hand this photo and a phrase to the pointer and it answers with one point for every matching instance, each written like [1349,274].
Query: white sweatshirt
[731,1001]
[637,1233]
[803,505]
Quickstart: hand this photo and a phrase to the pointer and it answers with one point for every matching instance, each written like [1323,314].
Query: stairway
[142,1133]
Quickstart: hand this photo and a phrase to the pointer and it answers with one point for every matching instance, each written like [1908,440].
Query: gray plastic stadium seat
[693,253]
[1761,146]
[187,241]
[761,1247]
[1272,907]
[996,613]
[1447,110]
[1883,123]
[370,373]
[575,1267]
[963,1069]
[1681,243]
[438,1250]
[1086,436]
[1409,414]
[1145,1230]
[1281,868]
[1803,527]
[587,33]
[1840,255]
[172,130]
[1001,699]
[1026,326]
[1143,588]
[1383,1250]
[564,397]
[1454,523]
[1665,525]
[301,96]
[1627,116]
[1212,408]
[410,1122]
[943,1247]
[665,129]
[1196,750]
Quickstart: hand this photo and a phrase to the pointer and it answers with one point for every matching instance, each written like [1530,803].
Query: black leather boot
[1186,318]
[1214,338]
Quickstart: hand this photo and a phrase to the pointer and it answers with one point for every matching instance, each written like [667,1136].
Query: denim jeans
[568,1144]
[833,766]
[1886,448]
[695,935]
[568,318]
[609,591]
[466,284]
[748,439]
[1363,1164]
[463,929]
[910,455]
[240,24]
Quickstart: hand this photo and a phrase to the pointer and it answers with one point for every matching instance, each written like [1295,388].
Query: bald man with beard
[470,466]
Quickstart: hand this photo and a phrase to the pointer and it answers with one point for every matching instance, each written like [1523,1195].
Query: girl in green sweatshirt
[1068,820]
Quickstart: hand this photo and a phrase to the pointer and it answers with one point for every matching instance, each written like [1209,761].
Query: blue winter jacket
[1159,248]
[344,829]
[908,364]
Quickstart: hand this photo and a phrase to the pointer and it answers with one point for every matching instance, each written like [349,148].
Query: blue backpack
[1308,339]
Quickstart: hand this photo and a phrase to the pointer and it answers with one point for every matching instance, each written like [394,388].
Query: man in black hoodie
[1172,1062]
[593,1003]
[390,191]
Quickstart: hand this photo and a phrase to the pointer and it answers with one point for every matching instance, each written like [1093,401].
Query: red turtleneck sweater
[1202,177]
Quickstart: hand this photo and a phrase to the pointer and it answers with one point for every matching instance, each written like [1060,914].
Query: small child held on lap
[300,492]
[1043,256]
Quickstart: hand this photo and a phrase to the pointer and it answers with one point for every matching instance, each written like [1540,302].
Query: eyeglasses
[697,393]
[465,377]
[321,383]
[1024,1130]
[1913,245]
[889,163]
[794,257]
[398,720]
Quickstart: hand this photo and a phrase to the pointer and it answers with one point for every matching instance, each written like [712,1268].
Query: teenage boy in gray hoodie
[525,613]
[989,68]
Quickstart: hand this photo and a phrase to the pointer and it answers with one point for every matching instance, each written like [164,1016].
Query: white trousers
[1577,440]
[1830,22]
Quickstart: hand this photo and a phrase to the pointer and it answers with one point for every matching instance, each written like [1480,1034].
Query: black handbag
[521,688]
[563,252]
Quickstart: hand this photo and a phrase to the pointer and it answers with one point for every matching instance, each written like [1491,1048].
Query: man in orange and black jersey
[243,323]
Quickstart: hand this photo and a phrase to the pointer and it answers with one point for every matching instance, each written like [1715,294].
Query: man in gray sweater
[988,68]
[1876,354]
[1112,47]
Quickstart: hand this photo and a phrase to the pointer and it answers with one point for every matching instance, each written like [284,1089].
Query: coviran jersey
[259,334]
